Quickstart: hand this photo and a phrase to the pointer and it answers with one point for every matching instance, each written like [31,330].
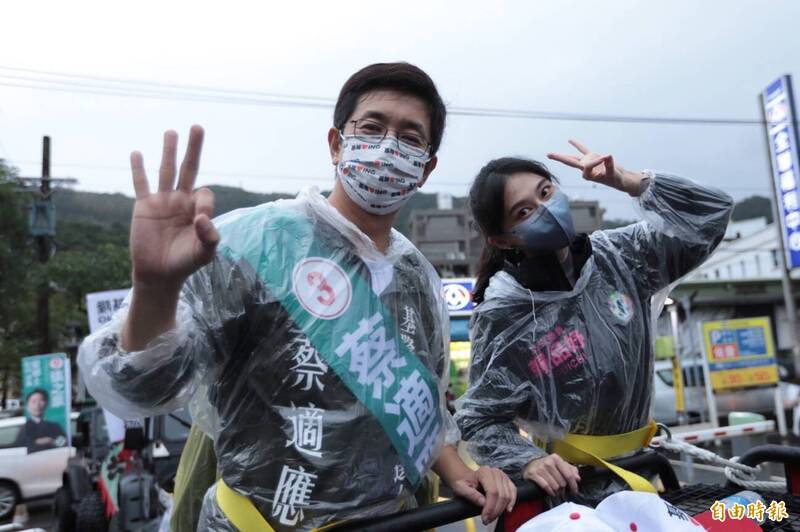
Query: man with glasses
[309,337]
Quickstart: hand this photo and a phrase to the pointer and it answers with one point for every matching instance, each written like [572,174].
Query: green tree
[89,257]
[17,311]
[72,274]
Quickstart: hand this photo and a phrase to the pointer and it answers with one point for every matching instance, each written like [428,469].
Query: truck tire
[65,516]
[78,481]
[91,514]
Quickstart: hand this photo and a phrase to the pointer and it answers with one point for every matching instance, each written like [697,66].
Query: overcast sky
[683,59]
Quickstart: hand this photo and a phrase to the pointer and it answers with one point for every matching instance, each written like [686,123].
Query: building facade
[742,279]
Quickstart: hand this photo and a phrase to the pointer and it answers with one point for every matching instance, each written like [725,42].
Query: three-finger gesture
[171,231]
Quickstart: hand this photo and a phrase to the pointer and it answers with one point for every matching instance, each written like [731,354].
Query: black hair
[487,203]
[401,77]
[40,391]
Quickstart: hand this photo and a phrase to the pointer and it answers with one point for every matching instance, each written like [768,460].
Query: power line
[79,83]
[129,81]
[226,175]
[583,117]
[188,97]
[235,174]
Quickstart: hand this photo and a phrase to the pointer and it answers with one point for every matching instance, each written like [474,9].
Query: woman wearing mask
[561,337]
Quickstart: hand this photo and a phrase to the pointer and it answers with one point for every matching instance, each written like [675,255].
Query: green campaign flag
[46,389]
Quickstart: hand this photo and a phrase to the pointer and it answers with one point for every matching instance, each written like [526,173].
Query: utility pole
[43,252]
[42,227]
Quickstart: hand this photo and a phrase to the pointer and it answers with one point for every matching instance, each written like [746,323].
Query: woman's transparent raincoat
[581,361]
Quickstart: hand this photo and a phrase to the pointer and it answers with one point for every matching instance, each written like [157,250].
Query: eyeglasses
[408,142]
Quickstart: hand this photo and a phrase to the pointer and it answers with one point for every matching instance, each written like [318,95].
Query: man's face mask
[377,176]
[549,228]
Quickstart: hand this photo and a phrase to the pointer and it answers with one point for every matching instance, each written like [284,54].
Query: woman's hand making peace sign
[601,169]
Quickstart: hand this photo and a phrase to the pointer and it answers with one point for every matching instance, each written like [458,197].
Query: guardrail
[719,433]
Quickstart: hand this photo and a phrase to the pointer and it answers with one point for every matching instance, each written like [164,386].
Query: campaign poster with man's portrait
[46,390]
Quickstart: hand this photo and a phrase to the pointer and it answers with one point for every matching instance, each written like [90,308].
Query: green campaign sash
[346,322]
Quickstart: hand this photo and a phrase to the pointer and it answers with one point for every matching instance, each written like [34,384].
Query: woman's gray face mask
[549,228]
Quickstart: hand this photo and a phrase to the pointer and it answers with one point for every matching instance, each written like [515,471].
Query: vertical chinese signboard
[782,136]
[100,307]
[47,390]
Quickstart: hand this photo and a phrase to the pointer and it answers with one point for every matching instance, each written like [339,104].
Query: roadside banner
[46,390]
[100,307]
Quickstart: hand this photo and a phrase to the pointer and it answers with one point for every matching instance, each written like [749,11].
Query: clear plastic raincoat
[581,361]
[316,363]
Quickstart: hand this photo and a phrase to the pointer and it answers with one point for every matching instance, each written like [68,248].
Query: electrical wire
[234,174]
[126,87]
[173,86]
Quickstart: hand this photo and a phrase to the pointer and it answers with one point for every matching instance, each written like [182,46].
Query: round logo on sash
[621,306]
[322,287]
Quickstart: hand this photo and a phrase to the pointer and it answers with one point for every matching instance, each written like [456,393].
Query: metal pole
[45,162]
[677,366]
[695,357]
[786,280]
[43,245]
[710,397]
[780,414]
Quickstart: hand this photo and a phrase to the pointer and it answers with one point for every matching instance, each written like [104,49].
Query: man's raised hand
[172,235]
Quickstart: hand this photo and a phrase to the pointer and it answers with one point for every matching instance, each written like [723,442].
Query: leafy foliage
[17,299]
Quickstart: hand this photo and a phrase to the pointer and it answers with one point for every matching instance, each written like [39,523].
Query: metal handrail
[782,454]
[779,454]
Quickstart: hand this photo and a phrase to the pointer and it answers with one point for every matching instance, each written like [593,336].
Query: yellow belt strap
[242,514]
[586,449]
[240,511]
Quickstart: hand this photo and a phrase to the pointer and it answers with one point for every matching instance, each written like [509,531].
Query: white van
[759,400]
[24,476]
